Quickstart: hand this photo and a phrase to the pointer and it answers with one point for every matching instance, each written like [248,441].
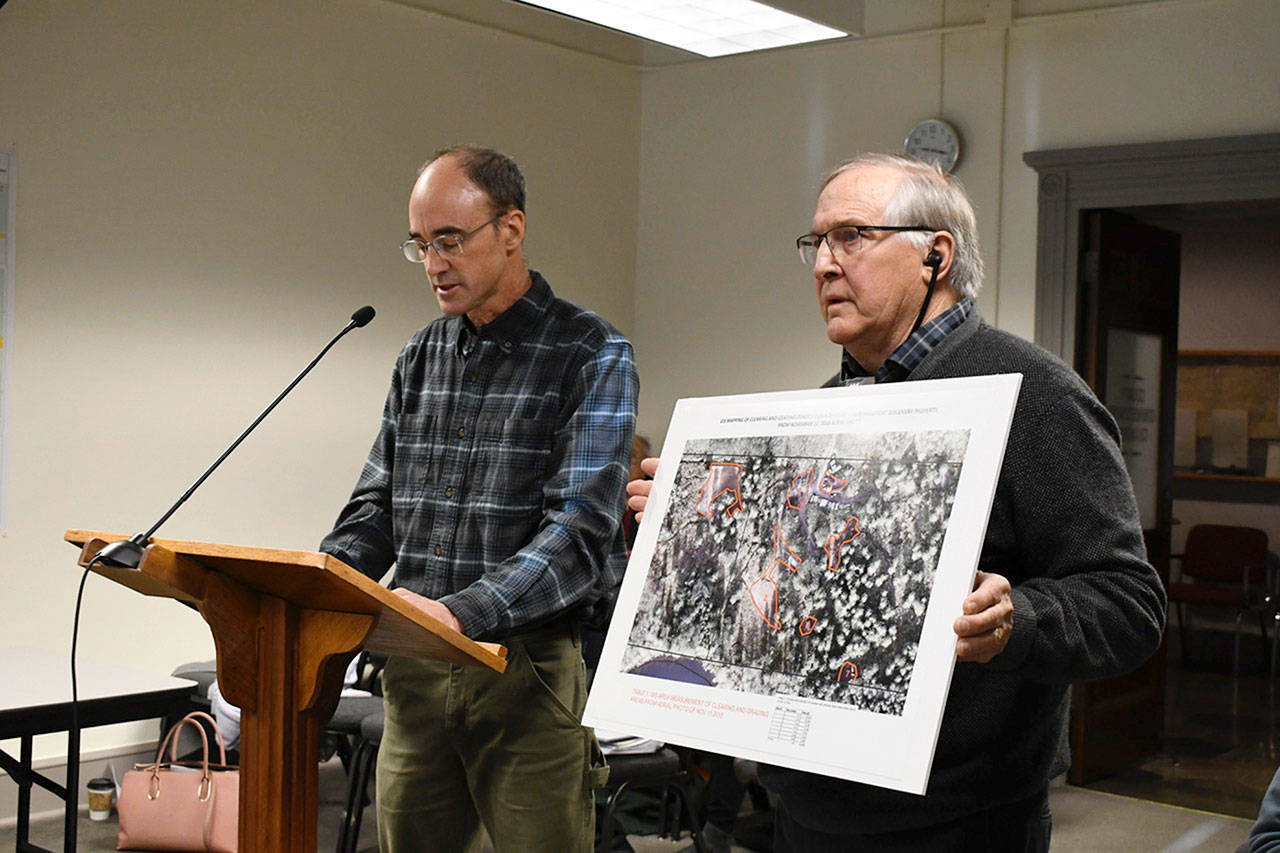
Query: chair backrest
[369,671]
[1224,553]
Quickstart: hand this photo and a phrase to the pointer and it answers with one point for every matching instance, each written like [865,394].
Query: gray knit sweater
[1064,530]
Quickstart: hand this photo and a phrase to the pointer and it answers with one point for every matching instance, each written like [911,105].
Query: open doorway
[1217,748]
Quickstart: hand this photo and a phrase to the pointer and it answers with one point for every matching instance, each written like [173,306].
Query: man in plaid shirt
[495,485]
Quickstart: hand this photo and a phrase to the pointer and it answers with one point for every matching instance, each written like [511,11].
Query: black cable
[928,297]
[75,694]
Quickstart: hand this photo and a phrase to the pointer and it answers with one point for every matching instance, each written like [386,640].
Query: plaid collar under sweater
[911,352]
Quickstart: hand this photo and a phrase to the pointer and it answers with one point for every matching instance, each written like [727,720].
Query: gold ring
[999,632]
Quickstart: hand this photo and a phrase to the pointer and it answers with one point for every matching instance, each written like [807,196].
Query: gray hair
[929,196]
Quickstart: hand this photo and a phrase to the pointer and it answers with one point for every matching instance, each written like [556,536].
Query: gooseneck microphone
[127,553]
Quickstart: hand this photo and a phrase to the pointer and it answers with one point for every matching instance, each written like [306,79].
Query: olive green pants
[466,746]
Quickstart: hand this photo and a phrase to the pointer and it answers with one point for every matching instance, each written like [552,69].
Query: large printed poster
[792,587]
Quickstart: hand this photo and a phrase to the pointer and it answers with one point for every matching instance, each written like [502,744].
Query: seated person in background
[1063,592]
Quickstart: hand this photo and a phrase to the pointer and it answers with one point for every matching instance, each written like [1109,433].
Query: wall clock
[936,141]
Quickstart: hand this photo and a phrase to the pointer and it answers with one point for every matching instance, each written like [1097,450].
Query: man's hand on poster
[983,631]
[432,608]
[638,490]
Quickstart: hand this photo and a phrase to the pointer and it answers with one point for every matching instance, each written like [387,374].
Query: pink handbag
[174,805]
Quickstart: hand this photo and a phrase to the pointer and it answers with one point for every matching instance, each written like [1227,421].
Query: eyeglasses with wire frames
[446,245]
[844,240]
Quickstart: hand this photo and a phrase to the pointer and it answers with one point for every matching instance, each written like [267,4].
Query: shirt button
[448,493]
[462,433]
[506,345]
[439,551]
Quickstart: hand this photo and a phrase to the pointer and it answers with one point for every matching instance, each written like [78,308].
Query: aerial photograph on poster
[792,590]
[798,564]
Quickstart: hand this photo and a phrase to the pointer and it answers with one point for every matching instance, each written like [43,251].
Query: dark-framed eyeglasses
[446,245]
[844,240]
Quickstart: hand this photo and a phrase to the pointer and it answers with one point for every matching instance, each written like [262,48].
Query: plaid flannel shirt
[496,482]
[911,352]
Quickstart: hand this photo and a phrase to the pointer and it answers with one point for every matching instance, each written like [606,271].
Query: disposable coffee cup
[102,793]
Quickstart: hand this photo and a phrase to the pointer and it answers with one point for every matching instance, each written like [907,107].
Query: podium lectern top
[175,568]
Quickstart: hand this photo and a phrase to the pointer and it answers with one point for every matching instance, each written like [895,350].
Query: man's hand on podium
[433,608]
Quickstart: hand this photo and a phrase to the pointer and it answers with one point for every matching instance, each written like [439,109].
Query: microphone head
[362,316]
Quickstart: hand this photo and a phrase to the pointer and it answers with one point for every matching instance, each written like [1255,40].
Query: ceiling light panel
[706,27]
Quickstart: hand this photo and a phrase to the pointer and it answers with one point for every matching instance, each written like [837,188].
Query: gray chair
[203,673]
[357,727]
[363,761]
[664,771]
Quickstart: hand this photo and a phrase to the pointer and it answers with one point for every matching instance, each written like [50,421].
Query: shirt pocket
[513,456]
[412,466]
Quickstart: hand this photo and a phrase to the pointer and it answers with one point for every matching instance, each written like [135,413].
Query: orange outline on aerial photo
[807,476]
[807,624]
[780,542]
[774,623]
[849,667]
[833,559]
[736,488]
[827,477]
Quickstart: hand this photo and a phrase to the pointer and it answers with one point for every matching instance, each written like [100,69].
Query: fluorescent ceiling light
[706,27]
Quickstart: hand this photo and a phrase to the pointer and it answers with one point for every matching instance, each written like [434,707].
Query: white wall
[731,156]
[1229,293]
[731,152]
[205,192]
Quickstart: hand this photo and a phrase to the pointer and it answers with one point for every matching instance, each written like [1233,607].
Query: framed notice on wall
[1133,398]
[1228,414]
[792,589]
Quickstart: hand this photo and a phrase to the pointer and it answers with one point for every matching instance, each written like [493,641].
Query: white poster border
[837,739]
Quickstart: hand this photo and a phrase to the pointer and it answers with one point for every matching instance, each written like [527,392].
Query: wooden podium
[286,624]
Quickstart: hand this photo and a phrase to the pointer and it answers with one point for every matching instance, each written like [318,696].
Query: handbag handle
[153,786]
[194,717]
[170,741]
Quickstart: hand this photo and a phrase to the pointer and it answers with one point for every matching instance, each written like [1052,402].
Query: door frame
[1161,173]
[1229,168]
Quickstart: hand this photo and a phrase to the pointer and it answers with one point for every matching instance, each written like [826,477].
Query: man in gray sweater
[1064,592]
